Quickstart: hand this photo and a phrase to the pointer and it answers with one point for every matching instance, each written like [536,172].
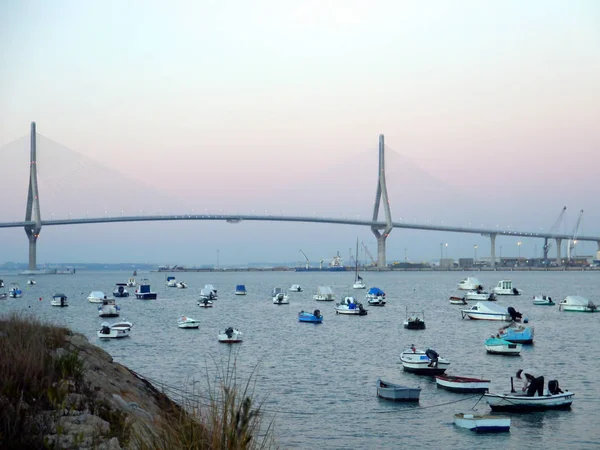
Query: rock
[86,424]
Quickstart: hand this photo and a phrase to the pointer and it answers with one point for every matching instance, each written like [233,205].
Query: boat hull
[518,337]
[419,363]
[506,350]
[477,315]
[240,293]
[462,384]
[482,424]
[414,325]
[395,392]
[521,403]
[146,296]
[188,325]
[576,308]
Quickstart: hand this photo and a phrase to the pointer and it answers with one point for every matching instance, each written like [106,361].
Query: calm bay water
[320,379]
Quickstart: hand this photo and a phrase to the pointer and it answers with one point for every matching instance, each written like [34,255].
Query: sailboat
[358,281]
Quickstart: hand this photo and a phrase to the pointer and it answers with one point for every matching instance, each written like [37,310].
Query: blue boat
[315,317]
[376,297]
[240,289]
[517,334]
[144,292]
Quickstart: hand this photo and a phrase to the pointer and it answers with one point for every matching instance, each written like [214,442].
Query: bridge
[33,222]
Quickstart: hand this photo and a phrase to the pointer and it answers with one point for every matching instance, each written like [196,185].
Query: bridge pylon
[32,212]
[380,196]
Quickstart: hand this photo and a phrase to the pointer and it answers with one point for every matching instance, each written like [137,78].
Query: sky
[489,109]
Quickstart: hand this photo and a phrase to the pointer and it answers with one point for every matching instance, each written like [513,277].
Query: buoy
[40,299]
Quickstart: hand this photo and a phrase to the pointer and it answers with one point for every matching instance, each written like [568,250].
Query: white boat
[358,281]
[349,306]
[181,285]
[131,282]
[543,300]
[119,291]
[487,311]
[3,295]
[15,291]
[499,346]
[171,282]
[211,288]
[505,287]
[295,288]
[480,296]
[187,322]
[577,303]
[482,424]
[207,294]
[391,391]
[108,308]
[457,300]
[523,403]
[423,362]
[469,284]
[279,297]
[230,336]
[30,282]
[324,294]
[115,331]
[375,297]
[205,303]
[415,320]
[96,297]
[462,384]
[59,300]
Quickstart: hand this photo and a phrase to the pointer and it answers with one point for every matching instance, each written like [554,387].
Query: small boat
[240,289]
[211,288]
[15,291]
[279,297]
[120,291]
[230,336]
[171,282]
[490,311]
[143,292]
[187,322]
[295,288]
[543,300]
[462,384]
[523,403]
[480,296]
[315,317]
[457,300]
[499,346]
[375,297]
[181,285]
[108,308]
[577,303]
[205,303]
[421,362]
[96,297]
[517,333]
[505,287]
[207,294]
[482,424]
[324,294]
[349,306]
[59,300]
[358,281]
[414,320]
[391,391]
[131,282]
[115,331]
[469,284]
[31,282]
[1,283]
[3,295]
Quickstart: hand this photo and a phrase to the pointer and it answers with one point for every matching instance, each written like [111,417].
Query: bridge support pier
[32,211]
[380,196]
[559,251]
[493,251]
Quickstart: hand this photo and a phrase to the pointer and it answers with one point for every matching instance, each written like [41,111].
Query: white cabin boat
[481,296]
[279,297]
[469,284]
[391,391]
[359,283]
[31,282]
[230,336]
[59,300]
[171,282]
[15,291]
[115,331]
[499,346]
[120,291]
[349,306]
[207,294]
[108,308]
[487,311]
[577,303]
[187,322]
[505,287]
[324,294]
[423,362]
[181,285]
[482,424]
[295,288]
[543,300]
[523,403]
[96,297]
[131,282]
[211,288]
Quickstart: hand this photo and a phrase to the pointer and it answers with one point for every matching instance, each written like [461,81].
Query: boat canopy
[576,300]
[240,288]
[170,278]
[376,291]
[489,308]
[324,290]
[277,290]
[97,294]
[144,289]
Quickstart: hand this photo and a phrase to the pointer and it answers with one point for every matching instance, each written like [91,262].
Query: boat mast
[356,263]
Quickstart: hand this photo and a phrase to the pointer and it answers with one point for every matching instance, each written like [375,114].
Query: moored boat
[15,291]
[212,290]
[375,297]
[543,300]
[517,333]
[171,282]
[31,282]
[457,300]
[482,424]
[295,288]
[143,292]
[315,317]
[205,303]
[499,346]
[181,285]
[469,284]
[187,322]
[462,384]
[324,294]
[523,403]
[240,289]
[415,320]
[505,287]
[120,291]
[115,331]
[131,282]
[279,297]
[350,307]
[230,336]
[96,297]
[207,294]
[423,362]
[480,296]
[59,300]
[108,308]
[577,303]
[391,391]
[490,311]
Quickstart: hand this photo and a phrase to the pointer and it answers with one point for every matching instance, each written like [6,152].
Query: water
[320,379]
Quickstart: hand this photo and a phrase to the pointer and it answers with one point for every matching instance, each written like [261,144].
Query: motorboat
[523,403]
[230,336]
[59,300]
[490,311]
[31,282]
[517,333]
[120,291]
[211,288]
[96,297]
[240,289]
[391,391]
[505,287]
[181,285]
[375,297]
[205,303]
[15,291]
[480,296]
[1,283]
[115,331]
[415,320]
[457,300]
[187,322]
[577,303]
[131,282]
[108,308]
[499,346]
[349,306]
[543,300]
[469,284]
[482,424]
[295,288]
[171,282]
[207,294]
[3,295]
[358,281]
[143,292]
[462,384]
[279,297]
[324,294]
[423,362]
[314,317]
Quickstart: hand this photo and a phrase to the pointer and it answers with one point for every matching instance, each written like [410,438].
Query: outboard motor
[105,329]
[316,313]
[514,314]
[515,291]
[433,356]
[229,332]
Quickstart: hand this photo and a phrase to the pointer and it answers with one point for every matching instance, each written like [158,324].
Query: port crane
[306,258]
[373,263]
[553,230]
[573,240]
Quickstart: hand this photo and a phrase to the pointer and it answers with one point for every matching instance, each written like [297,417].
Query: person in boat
[413,348]
[531,383]
[433,356]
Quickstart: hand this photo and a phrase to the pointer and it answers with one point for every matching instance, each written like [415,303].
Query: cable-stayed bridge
[381,228]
